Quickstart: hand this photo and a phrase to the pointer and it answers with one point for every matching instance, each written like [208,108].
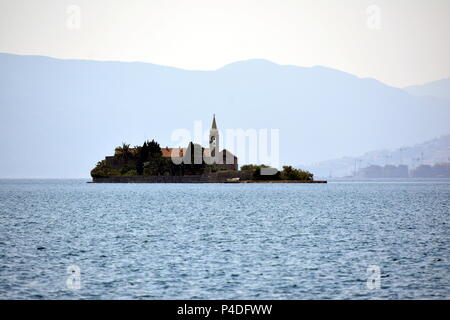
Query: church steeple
[214,125]
[214,138]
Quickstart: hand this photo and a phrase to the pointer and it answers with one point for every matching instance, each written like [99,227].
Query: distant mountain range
[430,152]
[59,117]
[438,89]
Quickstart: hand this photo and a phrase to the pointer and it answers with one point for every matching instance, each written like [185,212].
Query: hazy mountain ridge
[58,117]
[438,89]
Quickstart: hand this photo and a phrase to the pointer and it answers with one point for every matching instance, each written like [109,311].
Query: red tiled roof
[168,152]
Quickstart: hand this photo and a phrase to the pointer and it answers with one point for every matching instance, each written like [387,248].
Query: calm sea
[69,239]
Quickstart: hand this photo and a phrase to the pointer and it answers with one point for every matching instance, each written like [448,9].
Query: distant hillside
[437,89]
[58,117]
[429,152]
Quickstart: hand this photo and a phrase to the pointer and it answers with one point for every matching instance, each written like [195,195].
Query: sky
[399,42]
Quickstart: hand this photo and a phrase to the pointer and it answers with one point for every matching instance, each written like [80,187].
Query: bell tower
[214,138]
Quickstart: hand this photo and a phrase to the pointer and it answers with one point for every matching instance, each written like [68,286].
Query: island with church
[150,163]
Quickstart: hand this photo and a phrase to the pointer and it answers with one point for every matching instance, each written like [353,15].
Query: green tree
[124,152]
[290,173]
[154,150]
[154,158]
[142,157]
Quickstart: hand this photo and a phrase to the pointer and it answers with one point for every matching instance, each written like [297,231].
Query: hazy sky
[399,42]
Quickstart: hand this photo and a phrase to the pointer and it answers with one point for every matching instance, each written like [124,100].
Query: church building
[221,160]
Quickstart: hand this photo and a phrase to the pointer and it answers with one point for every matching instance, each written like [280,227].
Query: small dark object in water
[40,248]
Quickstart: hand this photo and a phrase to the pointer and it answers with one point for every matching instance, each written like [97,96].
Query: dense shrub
[131,172]
[126,169]
[290,173]
[103,170]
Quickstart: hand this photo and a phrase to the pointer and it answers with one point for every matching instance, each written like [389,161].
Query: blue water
[224,241]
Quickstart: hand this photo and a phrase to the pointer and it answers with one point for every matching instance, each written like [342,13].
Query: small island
[150,163]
